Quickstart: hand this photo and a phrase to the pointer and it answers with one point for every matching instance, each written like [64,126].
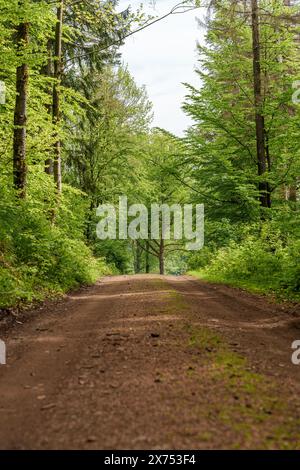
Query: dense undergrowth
[38,258]
[262,258]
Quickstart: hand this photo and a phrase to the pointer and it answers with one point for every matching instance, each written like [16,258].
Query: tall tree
[56,95]
[47,71]
[20,113]
[243,145]
[100,152]
[264,190]
[159,157]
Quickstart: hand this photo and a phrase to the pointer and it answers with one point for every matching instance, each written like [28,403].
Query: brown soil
[151,362]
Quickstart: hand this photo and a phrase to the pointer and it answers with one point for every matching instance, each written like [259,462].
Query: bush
[265,262]
[37,259]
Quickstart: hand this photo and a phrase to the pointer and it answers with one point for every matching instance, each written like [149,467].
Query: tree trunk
[162,257]
[292,190]
[147,261]
[137,258]
[20,116]
[89,219]
[268,163]
[292,194]
[47,71]
[258,100]
[56,96]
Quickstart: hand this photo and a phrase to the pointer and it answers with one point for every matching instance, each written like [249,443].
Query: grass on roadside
[254,407]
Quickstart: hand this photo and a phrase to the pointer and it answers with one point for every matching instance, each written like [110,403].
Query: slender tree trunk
[147,261]
[268,163]
[292,190]
[258,100]
[20,116]
[292,194]
[56,95]
[137,258]
[89,218]
[162,257]
[47,71]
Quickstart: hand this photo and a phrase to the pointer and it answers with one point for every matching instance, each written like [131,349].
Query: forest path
[151,362]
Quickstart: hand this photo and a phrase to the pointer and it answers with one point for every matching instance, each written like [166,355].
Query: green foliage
[117,254]
[103,142]
[222,140]
[38,259]
[262,262]
[47,242]
[246,245]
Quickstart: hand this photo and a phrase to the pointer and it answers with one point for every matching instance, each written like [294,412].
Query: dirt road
[150,362]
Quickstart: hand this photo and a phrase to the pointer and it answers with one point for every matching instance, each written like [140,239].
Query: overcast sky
[163,56]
